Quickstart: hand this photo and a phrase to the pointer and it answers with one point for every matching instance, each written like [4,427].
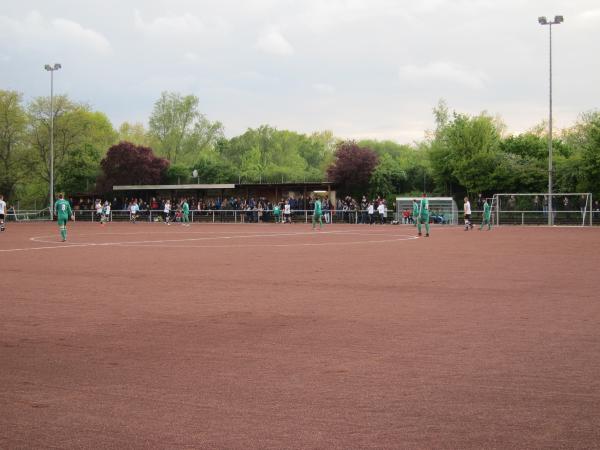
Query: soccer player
[63,211]
[423,215]
[287,212]
[317,215]
[98,208]
[381,212]
[2,212]
[185,210]
[467,210]
[276,212]
[487,215]
[167,212]
[134,209]
[105,213]
[415,214]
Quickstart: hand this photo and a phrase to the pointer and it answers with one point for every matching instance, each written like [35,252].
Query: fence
[239,216]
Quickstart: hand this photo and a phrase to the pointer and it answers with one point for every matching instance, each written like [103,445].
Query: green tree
[585,138]
[13,124]
[388,177]
[135,133]
[464,151]
[81,137]
[179,128]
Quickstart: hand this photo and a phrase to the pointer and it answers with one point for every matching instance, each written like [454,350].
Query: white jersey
[370,209]
[381,209]
[99,208]
[468,208]
[2,207]
[287,209]
[167,209]
[134,209]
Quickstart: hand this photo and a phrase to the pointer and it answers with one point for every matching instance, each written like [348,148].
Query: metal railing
[239,216]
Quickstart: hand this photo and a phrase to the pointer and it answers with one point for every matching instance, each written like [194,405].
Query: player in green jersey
[423,216]
[63,211]
[317,214]
[276,212]
[415,213]
[185,208]
[487,215]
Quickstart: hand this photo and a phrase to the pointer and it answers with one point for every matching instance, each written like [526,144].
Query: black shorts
[1,216]
[467,216]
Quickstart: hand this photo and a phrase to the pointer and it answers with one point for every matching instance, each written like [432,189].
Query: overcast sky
[361,68]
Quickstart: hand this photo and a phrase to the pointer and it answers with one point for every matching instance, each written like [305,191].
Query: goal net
[569,209]
[442,210]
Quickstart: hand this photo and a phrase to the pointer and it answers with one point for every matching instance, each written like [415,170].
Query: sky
[360,68]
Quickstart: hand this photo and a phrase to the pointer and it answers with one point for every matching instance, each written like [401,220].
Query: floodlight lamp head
[542,20]
[47,67]
[57,66]
[559,19]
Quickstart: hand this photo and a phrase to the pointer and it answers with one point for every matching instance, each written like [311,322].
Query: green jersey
[415,209]
[185,207]
[318,210]
[63,209]
[424,207]
[276,210]
[487,210]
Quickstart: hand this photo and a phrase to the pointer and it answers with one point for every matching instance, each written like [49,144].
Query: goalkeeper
[487,215]
[423,216]
[415,212]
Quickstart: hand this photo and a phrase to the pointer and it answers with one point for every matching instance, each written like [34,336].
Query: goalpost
[442,210]
[568,209]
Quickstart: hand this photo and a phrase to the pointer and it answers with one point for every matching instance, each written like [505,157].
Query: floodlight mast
[51,69]
[543,21]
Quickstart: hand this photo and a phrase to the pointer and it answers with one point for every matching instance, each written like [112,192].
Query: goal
[442,210]
[568,209]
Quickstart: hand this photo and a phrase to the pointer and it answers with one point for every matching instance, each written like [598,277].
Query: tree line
[463,155]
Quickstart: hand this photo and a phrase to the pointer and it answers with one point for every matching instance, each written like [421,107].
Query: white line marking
[157,243]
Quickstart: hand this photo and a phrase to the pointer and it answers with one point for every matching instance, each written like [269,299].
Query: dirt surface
[274,336]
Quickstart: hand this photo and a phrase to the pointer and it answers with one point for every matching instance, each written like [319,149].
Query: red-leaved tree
[127,163]
[352,168]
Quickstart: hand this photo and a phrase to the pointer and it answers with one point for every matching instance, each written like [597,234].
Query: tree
[586,140]
[130,164]
[135,133]
[464,151]
[180,129]
[352,167]
[76,129]
[388,177]
[13,122]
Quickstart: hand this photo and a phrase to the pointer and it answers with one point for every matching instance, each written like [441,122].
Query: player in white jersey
[105,213]
[287,212]
[98,208]
[167,212]
[467,211]
[2,212]
[381,212]
[133,210]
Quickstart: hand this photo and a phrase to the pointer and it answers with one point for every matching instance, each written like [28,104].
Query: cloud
[172,25]
[593,14]
[35,28]
[272,41]
[323,88]
[73,31]
[443,71]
